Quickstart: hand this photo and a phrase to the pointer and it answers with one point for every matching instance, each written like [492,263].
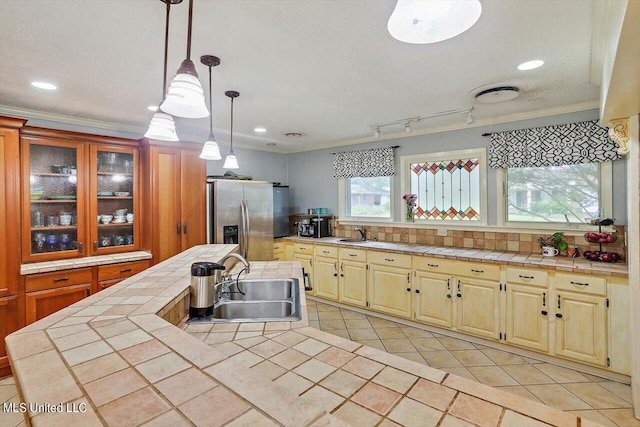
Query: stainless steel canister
[202,289]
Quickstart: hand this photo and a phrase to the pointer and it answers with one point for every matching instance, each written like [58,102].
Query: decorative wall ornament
[568,144]
[619,133]
[364,163]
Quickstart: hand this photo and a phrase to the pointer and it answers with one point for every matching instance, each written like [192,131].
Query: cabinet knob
[448,295]
[543,312]
[417,291]
[408,289]
[459,295]
[335,274]
[559,315]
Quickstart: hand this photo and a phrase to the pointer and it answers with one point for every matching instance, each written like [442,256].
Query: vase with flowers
[410,202]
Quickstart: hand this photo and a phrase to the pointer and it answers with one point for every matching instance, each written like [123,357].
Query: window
[557,194]
[449,186]
[368,197]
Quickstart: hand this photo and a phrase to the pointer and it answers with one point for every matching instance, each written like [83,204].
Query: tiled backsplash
[512,242]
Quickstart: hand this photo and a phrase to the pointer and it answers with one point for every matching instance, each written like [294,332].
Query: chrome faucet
[220,277]
[362,231]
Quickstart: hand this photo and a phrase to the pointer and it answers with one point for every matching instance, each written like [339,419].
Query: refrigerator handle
[248,230]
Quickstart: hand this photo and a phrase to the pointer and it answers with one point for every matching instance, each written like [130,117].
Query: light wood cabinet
[279,250]
[619,322]
[352,276]
[433,298]
[325,272]
[303,252]
[175,201]
[389,287]
[478,307]
[527,317]
[527,308]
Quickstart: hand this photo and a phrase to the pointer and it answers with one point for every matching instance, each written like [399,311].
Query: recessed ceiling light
[418,22]
[260,129]
[530,65]
[44,85]
[153,108]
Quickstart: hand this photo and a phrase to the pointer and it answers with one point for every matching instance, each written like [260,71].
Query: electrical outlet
[442,232]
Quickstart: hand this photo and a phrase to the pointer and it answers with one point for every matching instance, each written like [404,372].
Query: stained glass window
[447,189]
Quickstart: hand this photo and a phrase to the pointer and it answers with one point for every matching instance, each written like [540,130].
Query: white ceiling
[325,68]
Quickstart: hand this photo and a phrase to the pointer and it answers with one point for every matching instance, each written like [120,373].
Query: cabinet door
[8,324]
[193,185]
[389,290]
[581,323]
[10,211]
[527,317]
[433,299]
[114,191]
[478,307]
[43,303]
[54,214]
[307,264]
[325,277]
[165,208]
[352,286]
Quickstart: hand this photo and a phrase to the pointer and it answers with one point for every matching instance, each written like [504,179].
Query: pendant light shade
[185,97]
[162,127]
[231,162]
[210,150]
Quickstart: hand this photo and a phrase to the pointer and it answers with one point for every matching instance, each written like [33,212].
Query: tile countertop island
[111,359]
[519,259]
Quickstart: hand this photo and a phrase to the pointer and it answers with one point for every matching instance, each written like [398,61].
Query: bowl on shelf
[37,193]
[105,193]
[602,237]
[121,193]
[120,212]
[58,169]
[118,219]
[106,219]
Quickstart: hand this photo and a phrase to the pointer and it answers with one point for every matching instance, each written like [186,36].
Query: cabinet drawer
[119,271]
[353,254]
[580,283]
[478,270]
[435,265]
[327,251]
[303,248]
[527,276]
[38,282]
[278,247]
[391,259]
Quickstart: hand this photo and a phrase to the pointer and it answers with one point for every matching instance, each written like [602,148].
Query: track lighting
[407,122]
[470,118]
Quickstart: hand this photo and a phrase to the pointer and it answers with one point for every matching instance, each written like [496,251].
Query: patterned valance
[365,163]
[568,144]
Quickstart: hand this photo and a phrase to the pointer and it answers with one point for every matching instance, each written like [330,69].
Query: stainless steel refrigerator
[241,212]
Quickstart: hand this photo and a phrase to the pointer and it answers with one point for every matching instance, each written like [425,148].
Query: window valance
[568,144]
[364,163]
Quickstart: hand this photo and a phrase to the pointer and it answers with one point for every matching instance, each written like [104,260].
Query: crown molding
[28,114]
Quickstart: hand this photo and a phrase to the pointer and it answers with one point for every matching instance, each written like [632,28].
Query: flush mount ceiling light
[531,65]
[185,97]
[231,162]
[44,85]
[162,126]
[210,150]
[497,94]
[421,21]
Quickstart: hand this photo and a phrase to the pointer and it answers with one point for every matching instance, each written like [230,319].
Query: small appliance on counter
[317,227]
[202,289]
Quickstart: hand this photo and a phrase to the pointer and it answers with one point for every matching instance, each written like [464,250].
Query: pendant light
[185,97]
[162,126]
[231,162]
[210,150]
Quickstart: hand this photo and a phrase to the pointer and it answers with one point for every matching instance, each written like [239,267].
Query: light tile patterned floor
[598,399]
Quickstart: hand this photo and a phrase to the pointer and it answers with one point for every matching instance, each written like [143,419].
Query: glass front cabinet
[79,199]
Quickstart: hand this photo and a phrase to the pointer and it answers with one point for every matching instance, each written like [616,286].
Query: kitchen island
[118,358]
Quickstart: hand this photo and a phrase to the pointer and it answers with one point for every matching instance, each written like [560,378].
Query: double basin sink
[256,300]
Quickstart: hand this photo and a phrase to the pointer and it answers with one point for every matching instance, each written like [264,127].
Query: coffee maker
[313,227]
[305,228]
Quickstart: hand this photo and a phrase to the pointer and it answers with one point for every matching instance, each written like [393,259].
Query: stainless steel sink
[353,240]
[257,300]
[262,289]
